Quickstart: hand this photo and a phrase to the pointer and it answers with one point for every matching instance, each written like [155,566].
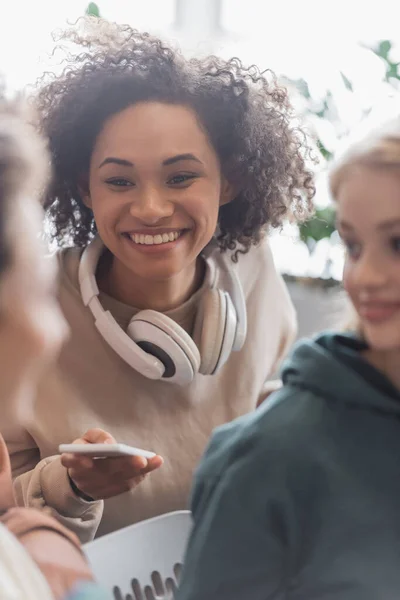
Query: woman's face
[155,188]
[32,327]
[369,223]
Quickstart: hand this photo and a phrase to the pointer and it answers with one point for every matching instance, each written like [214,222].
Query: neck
[161,295]
[388,363]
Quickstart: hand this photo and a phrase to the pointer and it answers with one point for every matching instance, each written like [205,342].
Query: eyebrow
[179,157]
[390,224]
[385,225]
[116,161]
[168,161]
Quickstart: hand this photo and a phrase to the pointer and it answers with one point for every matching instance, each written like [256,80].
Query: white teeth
[149,240]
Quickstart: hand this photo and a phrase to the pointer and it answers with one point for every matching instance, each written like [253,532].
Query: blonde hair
[378,149]
[24,165]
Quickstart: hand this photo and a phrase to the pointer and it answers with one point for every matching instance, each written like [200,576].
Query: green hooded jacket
[301,499]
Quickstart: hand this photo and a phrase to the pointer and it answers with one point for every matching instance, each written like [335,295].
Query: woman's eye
[395,244]
[181,178]
[353,249]
[119,182]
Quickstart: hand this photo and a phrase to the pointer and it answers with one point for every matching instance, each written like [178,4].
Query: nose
[151,206]
[369,272]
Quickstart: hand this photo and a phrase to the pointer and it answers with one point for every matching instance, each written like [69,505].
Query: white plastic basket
[142,561]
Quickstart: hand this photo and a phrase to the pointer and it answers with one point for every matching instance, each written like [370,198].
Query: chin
[383,338]
[163,273]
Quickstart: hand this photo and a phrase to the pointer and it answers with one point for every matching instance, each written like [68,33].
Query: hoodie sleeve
[44,483]
[241,545]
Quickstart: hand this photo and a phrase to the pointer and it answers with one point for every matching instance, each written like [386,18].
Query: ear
[84,192]
[228,192]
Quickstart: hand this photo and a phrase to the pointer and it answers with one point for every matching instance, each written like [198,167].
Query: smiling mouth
[378,312]
[154,240]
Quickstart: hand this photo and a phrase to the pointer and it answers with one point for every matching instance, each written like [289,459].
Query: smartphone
[104,450]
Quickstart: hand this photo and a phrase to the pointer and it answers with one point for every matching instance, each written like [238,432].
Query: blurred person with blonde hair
[301,499]
[39,558]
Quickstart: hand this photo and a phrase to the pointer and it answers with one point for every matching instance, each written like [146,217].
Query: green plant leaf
[392,71]
[320,226]
[383,49]
[302,87]
[347,82]
[324,151]
[93,10]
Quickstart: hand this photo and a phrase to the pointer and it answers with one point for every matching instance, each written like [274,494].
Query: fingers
[154,463]
[126,467]
[130,466]
[96,436]
[92,436]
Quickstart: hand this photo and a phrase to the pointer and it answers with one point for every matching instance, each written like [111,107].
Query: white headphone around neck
[156,346]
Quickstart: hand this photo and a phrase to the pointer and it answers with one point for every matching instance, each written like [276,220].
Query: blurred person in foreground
[39,558]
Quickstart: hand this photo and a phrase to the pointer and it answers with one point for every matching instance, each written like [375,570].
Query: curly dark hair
[246,114]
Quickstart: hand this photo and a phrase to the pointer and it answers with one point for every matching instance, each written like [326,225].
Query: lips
[154,240]
[377,312]
[150,237]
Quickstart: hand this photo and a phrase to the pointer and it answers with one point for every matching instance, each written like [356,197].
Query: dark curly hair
[245,113]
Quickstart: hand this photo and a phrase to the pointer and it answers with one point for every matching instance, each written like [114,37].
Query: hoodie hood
[332,366]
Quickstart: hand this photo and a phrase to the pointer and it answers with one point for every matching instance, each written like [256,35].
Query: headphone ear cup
[160,336]
[210,328]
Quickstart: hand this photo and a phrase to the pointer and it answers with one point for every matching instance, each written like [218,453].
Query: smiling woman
[366,184]
[146,193]
[167,173]
[152,195]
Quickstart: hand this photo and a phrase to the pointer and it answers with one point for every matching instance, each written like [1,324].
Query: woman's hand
[106,477]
